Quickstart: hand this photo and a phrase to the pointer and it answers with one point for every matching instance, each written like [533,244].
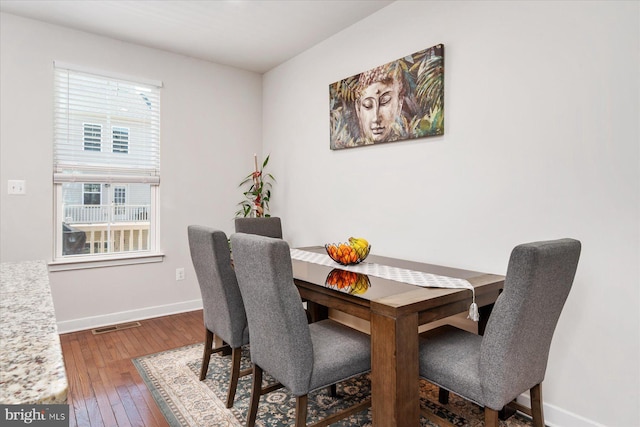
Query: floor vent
[112,328]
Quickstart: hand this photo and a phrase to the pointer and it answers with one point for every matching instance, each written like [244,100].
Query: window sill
[105,261]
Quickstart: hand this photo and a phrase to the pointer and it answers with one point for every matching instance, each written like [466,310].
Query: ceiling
[255,35]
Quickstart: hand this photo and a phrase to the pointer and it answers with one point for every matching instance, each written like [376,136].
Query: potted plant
[258,193]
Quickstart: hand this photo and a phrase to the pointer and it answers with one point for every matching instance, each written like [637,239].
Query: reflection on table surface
[348,281]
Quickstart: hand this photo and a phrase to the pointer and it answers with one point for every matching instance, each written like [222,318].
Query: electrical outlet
[16,186]
[180,273]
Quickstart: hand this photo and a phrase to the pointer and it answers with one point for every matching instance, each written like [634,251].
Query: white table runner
[397,274]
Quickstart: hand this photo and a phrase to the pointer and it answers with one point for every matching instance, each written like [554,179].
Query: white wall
[541,141]
[211,126]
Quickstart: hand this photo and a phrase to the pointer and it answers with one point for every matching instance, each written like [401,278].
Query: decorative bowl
[345,254]
[348,281]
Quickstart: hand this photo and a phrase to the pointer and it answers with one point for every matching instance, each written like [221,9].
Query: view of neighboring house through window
[92,194]
[120,140]
[120,200]
[92,137]
[106,165]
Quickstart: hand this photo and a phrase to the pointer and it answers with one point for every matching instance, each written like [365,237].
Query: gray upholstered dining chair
[264,226]
[224,312]
[307,356]
[270,227]
[511,357]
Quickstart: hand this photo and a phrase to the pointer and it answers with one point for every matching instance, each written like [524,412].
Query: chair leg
[256,392]
[206,356]
[301,411]
[333,390]
[507,412]
[490,417]
[443,396]
[236,354]
[536,405]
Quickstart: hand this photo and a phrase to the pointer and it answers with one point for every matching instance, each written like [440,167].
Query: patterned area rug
[172,378]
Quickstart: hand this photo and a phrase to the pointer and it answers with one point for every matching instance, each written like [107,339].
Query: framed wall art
[400,100]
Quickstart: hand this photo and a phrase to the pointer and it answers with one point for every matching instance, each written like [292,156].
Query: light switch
[17,186]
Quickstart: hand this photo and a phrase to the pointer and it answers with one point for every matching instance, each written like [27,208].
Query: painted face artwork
[395,101]
[377,108]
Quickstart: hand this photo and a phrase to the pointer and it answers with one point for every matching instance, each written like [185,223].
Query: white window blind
[106,129]
[106,168]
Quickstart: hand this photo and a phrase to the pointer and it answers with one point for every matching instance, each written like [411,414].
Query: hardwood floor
[105,388]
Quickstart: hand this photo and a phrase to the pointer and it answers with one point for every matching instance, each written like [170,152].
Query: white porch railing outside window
[96,229]
[92,214]
[120,237]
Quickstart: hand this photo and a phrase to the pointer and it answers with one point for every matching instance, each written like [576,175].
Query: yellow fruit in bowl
[361,246]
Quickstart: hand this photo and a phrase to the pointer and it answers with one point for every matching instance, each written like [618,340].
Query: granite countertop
[31,364]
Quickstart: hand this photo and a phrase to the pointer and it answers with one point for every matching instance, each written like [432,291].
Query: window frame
[81,261]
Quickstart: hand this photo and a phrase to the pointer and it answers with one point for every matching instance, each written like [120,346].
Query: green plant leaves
[257,194]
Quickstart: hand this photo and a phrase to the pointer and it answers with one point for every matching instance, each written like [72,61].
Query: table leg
[395,398]
[443,396]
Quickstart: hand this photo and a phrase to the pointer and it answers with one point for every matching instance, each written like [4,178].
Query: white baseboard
[558,417]
[85,323]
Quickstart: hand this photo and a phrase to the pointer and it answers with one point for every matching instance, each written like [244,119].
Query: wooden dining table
[395,311]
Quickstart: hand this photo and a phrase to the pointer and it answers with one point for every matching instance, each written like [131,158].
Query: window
[92,194]
[92,137]
[106,166]
[120,138]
